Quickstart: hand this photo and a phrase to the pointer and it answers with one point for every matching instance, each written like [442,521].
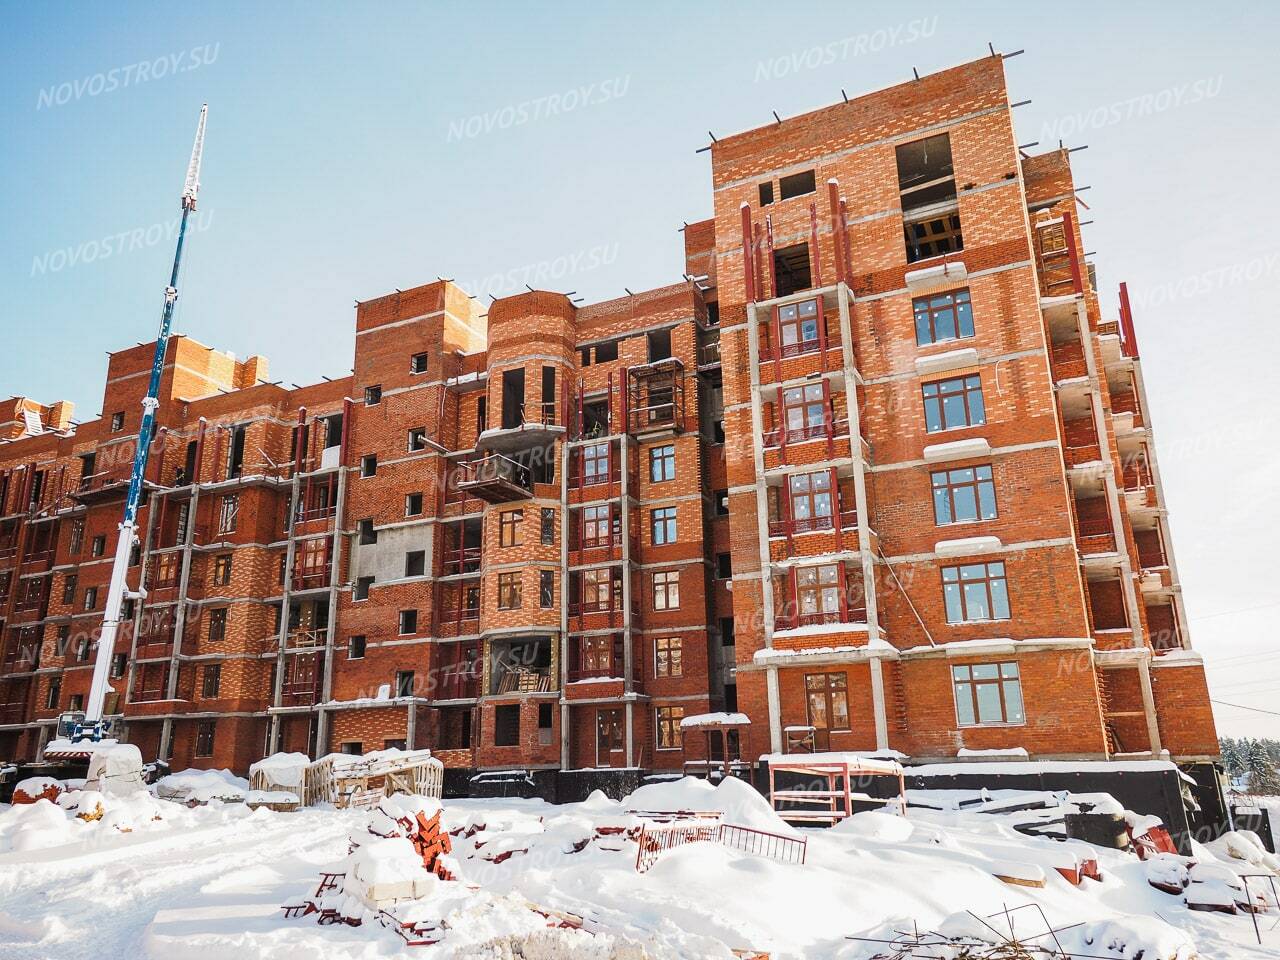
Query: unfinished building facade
[877,475]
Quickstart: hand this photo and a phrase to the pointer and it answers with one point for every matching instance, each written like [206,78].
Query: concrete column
[1101,426]
[1162,516]
[1149,704]
[762,499]
[564,603]
[866,555]
[335,554]
[775,714]
[877,704]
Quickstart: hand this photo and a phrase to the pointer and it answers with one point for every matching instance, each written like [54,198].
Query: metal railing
[835,429]
[656,839]
[781,528]
[494,467]
[820,618]
[460,561]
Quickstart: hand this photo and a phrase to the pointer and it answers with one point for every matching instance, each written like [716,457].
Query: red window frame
[805,400]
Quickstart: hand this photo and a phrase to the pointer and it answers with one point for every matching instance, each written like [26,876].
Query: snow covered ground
[153,878]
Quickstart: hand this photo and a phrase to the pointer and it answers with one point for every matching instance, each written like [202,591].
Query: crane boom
[93,727]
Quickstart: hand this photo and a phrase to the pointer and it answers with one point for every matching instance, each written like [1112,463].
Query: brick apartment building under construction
[877,474]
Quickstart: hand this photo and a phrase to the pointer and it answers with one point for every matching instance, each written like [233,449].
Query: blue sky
[355,148]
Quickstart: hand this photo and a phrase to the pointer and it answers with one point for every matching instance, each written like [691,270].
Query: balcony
[38,557]
[301,638]
[656,398]
[1137,475]
[709,354]
[1068,362]
[1126,405]
[848,520]
[312,567]
[818,596]
[150,684]
[495,479]
[827,430]
[598,658]
[1057,259]
[813,618]
[103,486]
[595,465]
[1078,456]
[164,571]
[318,501]
[461,562]
[795,329]
[1151,552]
[303,675]
[612,608]
[521,666]
[527,426]
[33,595]
[154,646]
[458,678]
[456,621]
[1095,536]
[20,657]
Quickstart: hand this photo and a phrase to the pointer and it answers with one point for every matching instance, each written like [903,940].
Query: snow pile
[33,826]
[283,770]
[738,802]
[387,869]
[209,881]
[257,798]
[78,817]
[1246,846]
[202,786]
[873,825]
[34,788]
[714,720]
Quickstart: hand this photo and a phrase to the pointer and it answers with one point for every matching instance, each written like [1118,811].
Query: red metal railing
[586,663]
[820,618]
[459,681]
[656,839]
[154,647]
[151,684]
[302,679]
[460,561]
[781,528]
[20,658]
[494,467]
[32,595]
[813,431]
[454,621]
[585,608]
[591,543]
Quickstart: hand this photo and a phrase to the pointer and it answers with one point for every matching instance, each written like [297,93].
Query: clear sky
[358,147]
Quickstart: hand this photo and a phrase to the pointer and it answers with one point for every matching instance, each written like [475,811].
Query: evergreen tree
[1264,778]
[1231,759]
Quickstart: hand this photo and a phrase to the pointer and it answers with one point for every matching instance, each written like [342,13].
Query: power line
[1240,706]
[1224,613]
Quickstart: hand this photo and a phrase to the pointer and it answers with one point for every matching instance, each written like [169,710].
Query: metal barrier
[654,840]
